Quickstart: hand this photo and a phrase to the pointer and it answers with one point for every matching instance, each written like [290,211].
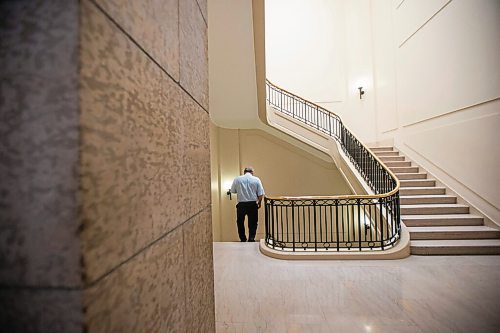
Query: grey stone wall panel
[195,172]
[41,310]
[154,24]
[145,148]
[146,294]
[204,8]
[122,146]
[193,51]
[39,244]
[198,265]
[104,161]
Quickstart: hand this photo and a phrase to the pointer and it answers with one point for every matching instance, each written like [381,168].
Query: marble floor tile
[255,293]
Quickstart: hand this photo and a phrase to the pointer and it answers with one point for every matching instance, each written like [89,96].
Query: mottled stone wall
[105,188]
[40,271]
[145,173]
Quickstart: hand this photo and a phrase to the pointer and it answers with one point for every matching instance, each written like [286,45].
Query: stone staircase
[438,225]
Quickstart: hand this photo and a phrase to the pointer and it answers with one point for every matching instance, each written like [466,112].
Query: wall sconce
[361,92]
[227,184]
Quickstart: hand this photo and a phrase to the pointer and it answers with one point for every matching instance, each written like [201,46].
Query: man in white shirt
[250,192]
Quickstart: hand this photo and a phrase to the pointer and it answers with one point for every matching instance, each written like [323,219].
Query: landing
[255,293]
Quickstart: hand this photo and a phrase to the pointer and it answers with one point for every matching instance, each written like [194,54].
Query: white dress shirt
[247,187]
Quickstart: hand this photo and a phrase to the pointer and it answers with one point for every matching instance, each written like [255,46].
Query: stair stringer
[319,141]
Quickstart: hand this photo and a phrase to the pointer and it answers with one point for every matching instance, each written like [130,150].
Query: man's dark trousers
[251,209]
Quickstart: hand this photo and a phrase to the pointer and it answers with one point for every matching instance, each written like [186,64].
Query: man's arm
[260,193]
[233,186]
[259,200]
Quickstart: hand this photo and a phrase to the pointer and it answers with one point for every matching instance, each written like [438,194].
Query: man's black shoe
[251,240]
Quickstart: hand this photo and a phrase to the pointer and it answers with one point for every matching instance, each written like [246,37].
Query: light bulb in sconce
[227,185]
[361,92]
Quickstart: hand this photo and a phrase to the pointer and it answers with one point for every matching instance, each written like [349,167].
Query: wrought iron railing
[338,223]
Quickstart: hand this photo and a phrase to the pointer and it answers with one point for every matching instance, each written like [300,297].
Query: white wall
[437,80]
[231,60]
[305,49]
[321,51]
[452,62]
[318,49]
[359,114]
[430,68]
[384,70]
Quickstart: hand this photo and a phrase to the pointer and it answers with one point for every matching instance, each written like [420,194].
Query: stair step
[405,176]
[437,224]
[386,153]
[455,247]
[399,170]
[453,232]
[434,209]
[398,163]
[391,158]
[421,190]
[374,149]
[418,183]
[427,199]
[441,220]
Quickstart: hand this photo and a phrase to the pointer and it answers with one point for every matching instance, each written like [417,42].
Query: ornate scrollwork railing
[338,223]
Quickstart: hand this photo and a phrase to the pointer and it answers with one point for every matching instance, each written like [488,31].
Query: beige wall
[283,168]
[438,88]
[215,181]
[109,152]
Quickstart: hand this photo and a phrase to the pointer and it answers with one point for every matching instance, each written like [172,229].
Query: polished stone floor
[255,293]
